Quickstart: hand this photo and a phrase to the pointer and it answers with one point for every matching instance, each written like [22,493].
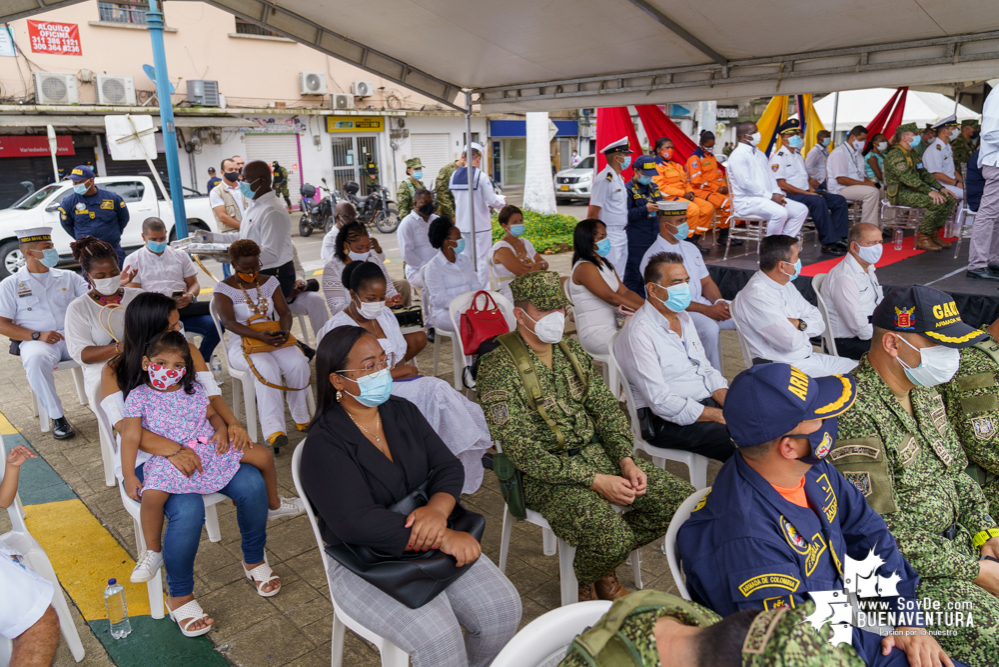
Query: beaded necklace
[261,306]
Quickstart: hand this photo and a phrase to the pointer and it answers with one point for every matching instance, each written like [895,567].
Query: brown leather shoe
[609,588]
[940,242]
[925,242]
[588,593]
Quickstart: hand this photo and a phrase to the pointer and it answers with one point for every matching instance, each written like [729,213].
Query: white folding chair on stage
[697,465]
[669,545]
[828,342]
[463,302]
[962,226]
[440,329]
[902,217]
[754,231]
[38,410]
[747,355]
[21,540]
[544,641]
[392,655]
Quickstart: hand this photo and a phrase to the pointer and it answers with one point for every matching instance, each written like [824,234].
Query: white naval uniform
[610,195]
[753,186]
[38,301]
[485,198]
[938,158]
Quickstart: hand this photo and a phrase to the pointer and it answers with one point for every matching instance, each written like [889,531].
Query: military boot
[609,588]
[940,242]
[587,593]
[925,242]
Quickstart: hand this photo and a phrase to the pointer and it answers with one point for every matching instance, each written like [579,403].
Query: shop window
[247,28]
[123,12]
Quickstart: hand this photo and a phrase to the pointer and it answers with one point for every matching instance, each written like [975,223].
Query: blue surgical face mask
[244,189]
[797,270]
[916,140]
[80,188]
[156,247]
[796,141]
[603,247]
[418,174]
[679,297]
[822,441]
[375,388]
[682,230]
[517,230]
[644,180]
[50,257]
[825,142]
[626,163]
[460,248]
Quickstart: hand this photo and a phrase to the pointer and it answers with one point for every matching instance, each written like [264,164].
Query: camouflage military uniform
[777,638]
[912,471]
[909,184]
[962,151]
[405,195]
[972,400]
[445,200]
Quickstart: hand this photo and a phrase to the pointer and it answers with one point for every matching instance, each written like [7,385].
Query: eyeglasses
[370,367]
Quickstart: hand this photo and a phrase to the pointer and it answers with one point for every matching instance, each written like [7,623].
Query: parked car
[41,209]
[575,183]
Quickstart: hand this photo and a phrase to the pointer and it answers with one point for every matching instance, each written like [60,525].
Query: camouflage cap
[783,637]
[908,127]
[543,289]
[414,163]
[970,122]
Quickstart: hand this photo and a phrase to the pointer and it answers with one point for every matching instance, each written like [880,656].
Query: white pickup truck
[41,209]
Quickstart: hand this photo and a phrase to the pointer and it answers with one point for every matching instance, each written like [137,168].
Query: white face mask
[755,138]
[870,254]
[955,133]
[106,286]
[937,365]
[882,146]
[370,310]
[357,256]
[858,145]
[550,327]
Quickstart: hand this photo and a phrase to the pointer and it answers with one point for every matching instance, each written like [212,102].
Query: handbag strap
[264,382]
[490,302]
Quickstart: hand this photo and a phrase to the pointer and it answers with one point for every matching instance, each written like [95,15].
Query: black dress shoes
[833,249]
[983,274]
[61,430]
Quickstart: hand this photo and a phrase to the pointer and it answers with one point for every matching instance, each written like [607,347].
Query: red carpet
[889,256]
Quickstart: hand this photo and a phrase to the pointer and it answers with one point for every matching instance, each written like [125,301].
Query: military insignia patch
[80,206]
[494,395]
[984,429]
[759,633]
[793,537]
[703,501]
[909,450]
[774,167]
[905,319]
[824,446]
[941,450]
[855,450]
[107,205]
[861,480]
[500,413]
[778,602]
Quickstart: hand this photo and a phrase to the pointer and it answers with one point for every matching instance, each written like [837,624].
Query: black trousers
[285,275]
[709,439]
[852,348]
[829,213]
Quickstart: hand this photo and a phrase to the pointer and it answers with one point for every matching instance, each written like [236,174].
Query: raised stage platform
[977,300]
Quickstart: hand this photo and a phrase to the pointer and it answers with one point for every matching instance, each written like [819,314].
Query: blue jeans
[186,515]
[204,325]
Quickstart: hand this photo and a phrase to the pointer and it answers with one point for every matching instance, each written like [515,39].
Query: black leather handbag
[413,579]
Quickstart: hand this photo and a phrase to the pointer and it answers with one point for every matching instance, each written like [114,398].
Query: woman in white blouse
[353,244]
[597,293]
[449,273]
[458,421]
[513,255]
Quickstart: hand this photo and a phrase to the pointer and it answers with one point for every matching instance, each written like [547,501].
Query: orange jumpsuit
[674,184]
[707,179]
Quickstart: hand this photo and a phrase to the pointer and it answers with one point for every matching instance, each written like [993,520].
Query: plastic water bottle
[897,238]
[217,369]
[114,600]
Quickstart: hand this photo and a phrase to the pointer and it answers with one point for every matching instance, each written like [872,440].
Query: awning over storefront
[97,121]
[518,128]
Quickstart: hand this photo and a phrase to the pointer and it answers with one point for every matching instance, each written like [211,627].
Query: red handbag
[481,324]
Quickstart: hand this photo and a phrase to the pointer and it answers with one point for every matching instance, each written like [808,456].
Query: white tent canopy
[859,107]
[525,55]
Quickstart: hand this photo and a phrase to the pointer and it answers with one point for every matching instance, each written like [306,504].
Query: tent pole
[835,113]
[957,101]
[471,174]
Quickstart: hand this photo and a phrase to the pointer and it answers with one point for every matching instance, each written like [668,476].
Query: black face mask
[974,135]
[427,209]
[231,176]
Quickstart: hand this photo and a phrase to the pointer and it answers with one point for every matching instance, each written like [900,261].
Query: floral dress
[181,417]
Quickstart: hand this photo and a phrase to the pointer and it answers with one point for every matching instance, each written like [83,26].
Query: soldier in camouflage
[407,189]
[896,445]
[575,448]
[964,145]
[909,184]
[445,200]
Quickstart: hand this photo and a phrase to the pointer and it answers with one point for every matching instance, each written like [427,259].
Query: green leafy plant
[546,232]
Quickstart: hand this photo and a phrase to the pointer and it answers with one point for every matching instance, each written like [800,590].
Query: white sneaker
[149,563]
[288,507]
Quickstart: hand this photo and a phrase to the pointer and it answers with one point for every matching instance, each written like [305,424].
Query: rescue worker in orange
[708,182]
[674,185]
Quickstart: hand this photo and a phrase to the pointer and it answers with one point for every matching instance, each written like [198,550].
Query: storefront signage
[59,38]
[355,123]
[34,146]
[7,46]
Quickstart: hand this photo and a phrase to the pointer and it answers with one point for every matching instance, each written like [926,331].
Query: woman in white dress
[244,295]
[513,255]
[448,274]
[353,244]
[458,421]
[596,291]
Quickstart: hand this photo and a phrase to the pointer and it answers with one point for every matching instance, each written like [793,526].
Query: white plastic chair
[107,445]
[38,410]
[463,302]
[35,557]
[697,465]
[544,641]
[243,389]
[683,513]
[568,583]
[827,336]
[438,332]
[392,655]
[747,354]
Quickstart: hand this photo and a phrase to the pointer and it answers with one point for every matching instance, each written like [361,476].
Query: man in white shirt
[414,245]
[343,213]
[846,175]
[851,291]
[609,200]
[776,321]
[938,158]
[985,234]
[754,188]
[156,267]
[828,211]
[678,394]
[708,311]
[815,161]
[478,221]
[228,203]
[268,224]
[27,617]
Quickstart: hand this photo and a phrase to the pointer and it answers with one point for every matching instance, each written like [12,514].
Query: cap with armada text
[34,234]
[543,289]
[645,165]
[768,401]
[619,146]
[925,311]
[788,126]
[81,173]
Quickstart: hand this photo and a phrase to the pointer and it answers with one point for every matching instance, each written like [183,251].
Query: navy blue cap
[791,125]
[81,173]
[928,312]
[646,164]
[769,400]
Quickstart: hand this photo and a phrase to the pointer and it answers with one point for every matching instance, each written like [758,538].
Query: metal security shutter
[433,151]
[284,149]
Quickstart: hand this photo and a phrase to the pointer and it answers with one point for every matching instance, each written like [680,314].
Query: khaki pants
[870,196]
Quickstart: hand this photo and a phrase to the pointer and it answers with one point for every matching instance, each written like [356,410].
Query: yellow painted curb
[6,428]
[84,556]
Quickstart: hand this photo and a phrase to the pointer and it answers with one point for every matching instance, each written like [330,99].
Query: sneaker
[146,568]
[288,507]
[61,430]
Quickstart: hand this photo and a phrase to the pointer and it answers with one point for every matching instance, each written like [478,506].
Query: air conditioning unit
[115,90]
[311,83]
[53,88]
[362,88]
[340,101]
[203,93]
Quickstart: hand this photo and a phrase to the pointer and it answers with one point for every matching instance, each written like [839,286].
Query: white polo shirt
[789,165]
[693,262]
[847,162]
[938,158]
[609,194]
[163,274]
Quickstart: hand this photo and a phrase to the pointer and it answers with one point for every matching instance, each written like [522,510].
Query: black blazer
[350,483]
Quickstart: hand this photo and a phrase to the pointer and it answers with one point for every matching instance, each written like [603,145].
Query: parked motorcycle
[317,209]
[375,209]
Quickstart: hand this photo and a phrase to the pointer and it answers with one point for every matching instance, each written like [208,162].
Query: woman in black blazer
[368,450]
